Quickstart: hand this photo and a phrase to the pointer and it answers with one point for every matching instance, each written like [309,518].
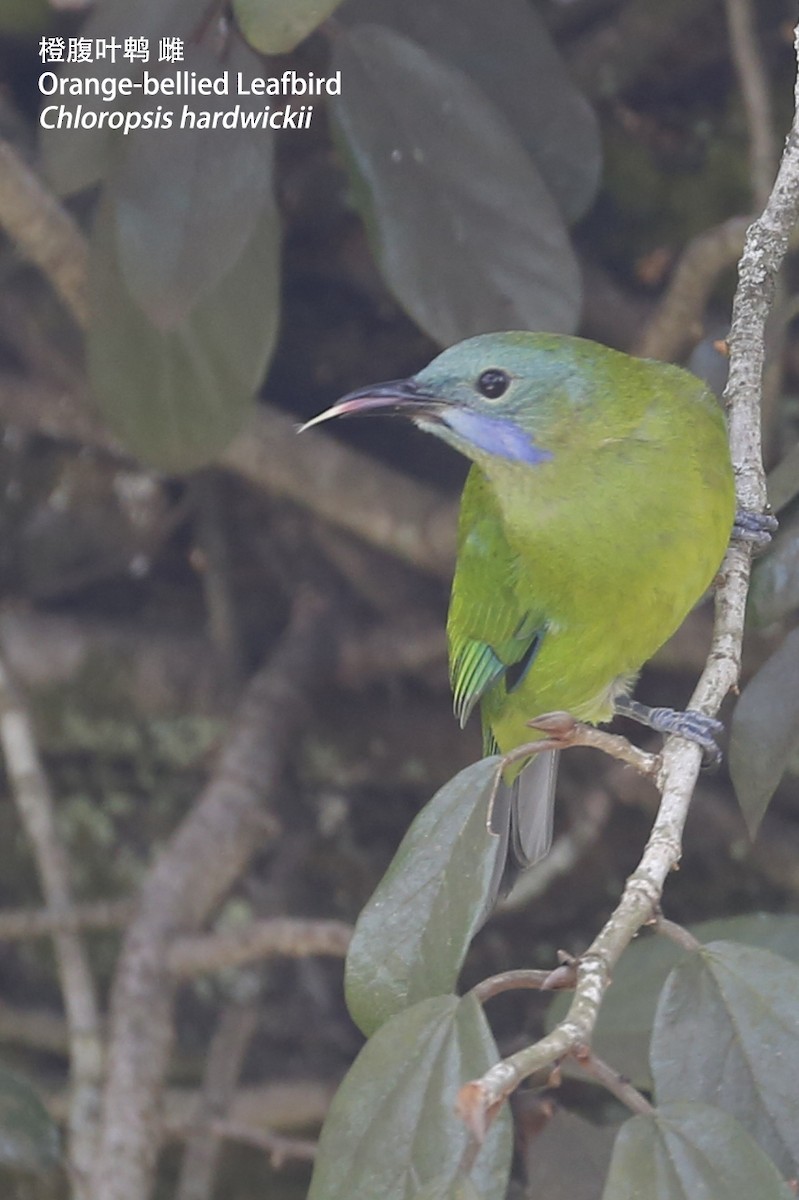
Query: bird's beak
[403,396]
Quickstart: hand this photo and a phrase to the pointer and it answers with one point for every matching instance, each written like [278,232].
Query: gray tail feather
[522,817]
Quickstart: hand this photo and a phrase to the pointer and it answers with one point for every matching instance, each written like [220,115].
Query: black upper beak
[402,396]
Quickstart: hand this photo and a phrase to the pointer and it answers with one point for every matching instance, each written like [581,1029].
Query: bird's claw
[693,725]
[754,527]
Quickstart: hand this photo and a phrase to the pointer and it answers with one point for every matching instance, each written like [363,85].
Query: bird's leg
[754,527]
[694,726]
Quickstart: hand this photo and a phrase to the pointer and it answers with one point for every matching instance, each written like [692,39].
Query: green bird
[595,515]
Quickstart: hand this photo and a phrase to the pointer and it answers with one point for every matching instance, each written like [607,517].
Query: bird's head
[490,396]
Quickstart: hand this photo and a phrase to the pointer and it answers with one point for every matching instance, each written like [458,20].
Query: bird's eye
[493,383]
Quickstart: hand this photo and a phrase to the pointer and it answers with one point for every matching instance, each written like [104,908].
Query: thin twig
[616,1084]
[266,938]
[677,322]
[754,84]
[39,1029]
[18,925]
[382,507]
[213,550]
[283,1106]
[564,732]
[765,248]
[232,1036]
[37,813]
[509,981]
[43,231]
[280,1149]
[677,934]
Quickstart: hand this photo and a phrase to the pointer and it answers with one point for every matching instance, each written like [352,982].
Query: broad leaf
[176,398]
[25,16]
[687,1151]
[765,730]
[569,1158]
[624,1029]
[775,577]
[187,201]
[277,26]
[392,1130]
[505,48]
[29,1138]
[727,1033]
[79,157]
[782,483]
[411,938]
[463,227]
[460,1188]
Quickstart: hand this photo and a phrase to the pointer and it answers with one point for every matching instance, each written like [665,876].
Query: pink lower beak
[396,396]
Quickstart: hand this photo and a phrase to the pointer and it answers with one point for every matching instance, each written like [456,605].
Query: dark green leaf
[687,1151]
[569,1159]
[765,730]
[25,16]
[505,48]
[29,1138]
[77,158]
[624,1029]
[392,1130]
[460,1188]
[775,579]
[177,398]
[412,936]
[727,1033]
[277,26]
[465,231]
[783,481]
[187,202]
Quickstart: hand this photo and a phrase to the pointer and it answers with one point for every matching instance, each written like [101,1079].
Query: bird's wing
[492,631]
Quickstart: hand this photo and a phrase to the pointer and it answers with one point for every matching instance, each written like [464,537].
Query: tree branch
[21,924]
[340,484]
[37,814]
[290,936]
[232,1036]
[203,858]
[677,322]
[43,231]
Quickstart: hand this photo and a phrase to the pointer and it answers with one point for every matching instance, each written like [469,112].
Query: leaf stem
[596,1068]
[677,934]
[508,981]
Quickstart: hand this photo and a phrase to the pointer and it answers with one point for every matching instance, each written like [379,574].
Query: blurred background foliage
[524,164]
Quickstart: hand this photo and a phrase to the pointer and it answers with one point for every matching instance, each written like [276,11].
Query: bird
[596,512]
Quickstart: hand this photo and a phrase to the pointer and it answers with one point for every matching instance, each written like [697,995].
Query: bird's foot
[560,726]
[754,527]
[695,726]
